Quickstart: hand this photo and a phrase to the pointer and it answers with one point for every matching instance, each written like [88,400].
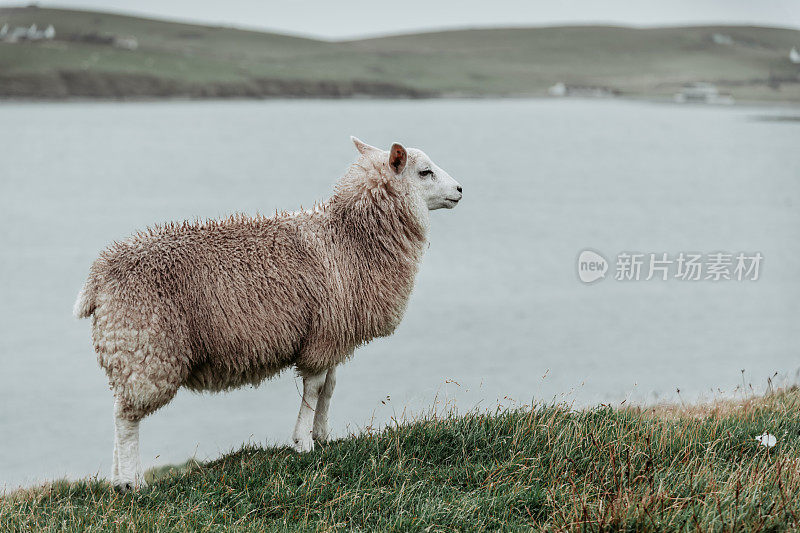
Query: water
[498,314]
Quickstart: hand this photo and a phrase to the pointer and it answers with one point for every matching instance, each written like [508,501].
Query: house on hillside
[721,38]
[127,43]
[23,33]
[582,91]
[702,93]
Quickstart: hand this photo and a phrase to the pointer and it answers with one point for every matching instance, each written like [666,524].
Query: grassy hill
[661,469]
[175,59]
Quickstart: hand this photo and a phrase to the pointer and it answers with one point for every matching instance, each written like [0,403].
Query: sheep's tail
[85,304]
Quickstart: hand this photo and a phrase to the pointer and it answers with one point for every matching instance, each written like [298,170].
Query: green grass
[549,468]
[184,60]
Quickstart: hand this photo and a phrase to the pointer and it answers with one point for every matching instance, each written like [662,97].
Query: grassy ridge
[667,469]
[176,59]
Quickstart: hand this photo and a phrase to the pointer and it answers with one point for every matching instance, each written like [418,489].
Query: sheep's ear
[398,157]
[361,146]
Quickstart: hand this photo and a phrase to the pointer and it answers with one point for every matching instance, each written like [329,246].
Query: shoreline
[789,104]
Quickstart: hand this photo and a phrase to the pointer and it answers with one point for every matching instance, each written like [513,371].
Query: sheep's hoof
[320,436]
[303,446]
[122,486]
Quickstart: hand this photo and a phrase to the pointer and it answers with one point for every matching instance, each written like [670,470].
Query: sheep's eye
[423,173]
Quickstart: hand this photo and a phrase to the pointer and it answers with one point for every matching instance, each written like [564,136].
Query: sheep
[219,304]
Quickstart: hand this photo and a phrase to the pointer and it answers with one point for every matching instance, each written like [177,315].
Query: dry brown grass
[663,468]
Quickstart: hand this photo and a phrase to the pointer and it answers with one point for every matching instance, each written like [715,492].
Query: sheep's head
[416,173]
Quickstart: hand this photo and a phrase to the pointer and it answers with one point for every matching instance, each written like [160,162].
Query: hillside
[551,468]
[90,57]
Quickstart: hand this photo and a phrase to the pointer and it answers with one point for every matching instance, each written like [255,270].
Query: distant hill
[103,55]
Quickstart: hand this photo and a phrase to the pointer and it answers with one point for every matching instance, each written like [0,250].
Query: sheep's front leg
[115,467]
[312,388]
[127,470]
[321,430]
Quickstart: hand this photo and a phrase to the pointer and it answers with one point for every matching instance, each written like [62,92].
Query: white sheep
[216,305]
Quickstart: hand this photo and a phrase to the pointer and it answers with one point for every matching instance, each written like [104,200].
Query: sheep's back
[236,297]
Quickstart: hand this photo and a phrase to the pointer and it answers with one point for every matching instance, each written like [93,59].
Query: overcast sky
[336,19]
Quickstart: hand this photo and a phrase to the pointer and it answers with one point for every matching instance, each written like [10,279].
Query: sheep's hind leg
[321,430]
[312,388]
[127,473]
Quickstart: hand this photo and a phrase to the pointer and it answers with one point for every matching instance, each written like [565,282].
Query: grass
[193,60]
[694,468]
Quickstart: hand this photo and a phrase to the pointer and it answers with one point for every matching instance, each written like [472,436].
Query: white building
[22,33]
[17,34]
[127,43]
[721,38]
[581,91]
[701,92]
[559,89]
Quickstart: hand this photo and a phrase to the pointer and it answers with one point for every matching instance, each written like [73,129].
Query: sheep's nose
[458,188]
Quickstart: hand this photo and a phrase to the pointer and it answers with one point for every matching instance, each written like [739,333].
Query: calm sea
[498,315]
